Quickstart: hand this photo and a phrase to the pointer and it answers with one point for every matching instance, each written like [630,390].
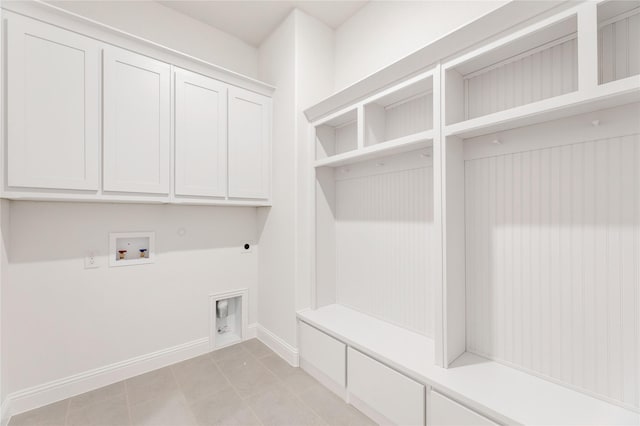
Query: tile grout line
[296,396]
[66,414]
[182,394]
[234,388]
[127,402]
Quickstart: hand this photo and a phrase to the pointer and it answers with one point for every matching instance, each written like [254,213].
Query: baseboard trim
[4,414]
[57,390]
[252,331]
[279,346]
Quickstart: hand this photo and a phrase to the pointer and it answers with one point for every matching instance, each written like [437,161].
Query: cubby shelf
[616,93]
[396,146]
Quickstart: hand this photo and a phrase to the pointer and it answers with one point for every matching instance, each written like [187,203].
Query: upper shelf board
[397,146]
[619,92]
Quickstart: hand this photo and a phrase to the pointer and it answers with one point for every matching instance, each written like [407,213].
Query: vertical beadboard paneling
[406,118]
[619,49]
[553,263]
[384,240]
[543,74]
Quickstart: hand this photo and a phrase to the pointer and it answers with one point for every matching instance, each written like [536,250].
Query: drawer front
[447,412]
[323,352]
[394,395]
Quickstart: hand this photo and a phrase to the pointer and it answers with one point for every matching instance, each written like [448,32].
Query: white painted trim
[66,387]
[526,53]
[420,78]
[400,145]
[4,413]
[243,293]
[619,17]
[522,34]
[68,196]
[279,346]
[252,332]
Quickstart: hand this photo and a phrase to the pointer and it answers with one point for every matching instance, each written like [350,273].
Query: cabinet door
[395,396]
[136,123]
[53,100]
[447,412]
[249,144]
[324,353]
[201,135]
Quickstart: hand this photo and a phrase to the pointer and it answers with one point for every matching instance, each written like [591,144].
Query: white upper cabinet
[137,118]
[249,144]
[89,120]
[53,117]
[201,135]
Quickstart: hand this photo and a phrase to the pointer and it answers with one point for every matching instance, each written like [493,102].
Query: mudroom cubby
[377,251]
[337,135]
[535,64]
[618,40]
[550,251]
[375,238]
[405,112]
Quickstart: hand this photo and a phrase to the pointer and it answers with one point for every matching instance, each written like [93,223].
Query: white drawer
[447,412]
[324,353]
[395,396]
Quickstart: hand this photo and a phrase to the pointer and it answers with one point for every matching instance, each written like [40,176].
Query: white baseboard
[279,346]
[4,414]
[57,390]
[252,331]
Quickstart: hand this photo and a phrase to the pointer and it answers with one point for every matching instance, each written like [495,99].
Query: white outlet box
[91,260]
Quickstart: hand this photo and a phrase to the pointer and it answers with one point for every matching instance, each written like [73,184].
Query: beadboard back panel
[619,48]
[409,117]
[542,74]
[384,241]
[553,263]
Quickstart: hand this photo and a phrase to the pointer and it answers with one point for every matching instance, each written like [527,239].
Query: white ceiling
[252,21]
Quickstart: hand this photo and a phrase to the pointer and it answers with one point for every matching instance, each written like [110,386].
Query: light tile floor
[245,384]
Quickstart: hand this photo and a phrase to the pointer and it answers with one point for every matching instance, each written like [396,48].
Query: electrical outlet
[246,248]
[91,260]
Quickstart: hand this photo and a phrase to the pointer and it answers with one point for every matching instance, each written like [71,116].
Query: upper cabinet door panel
[53,99]
[201,135]
[137,113]
[249,144]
